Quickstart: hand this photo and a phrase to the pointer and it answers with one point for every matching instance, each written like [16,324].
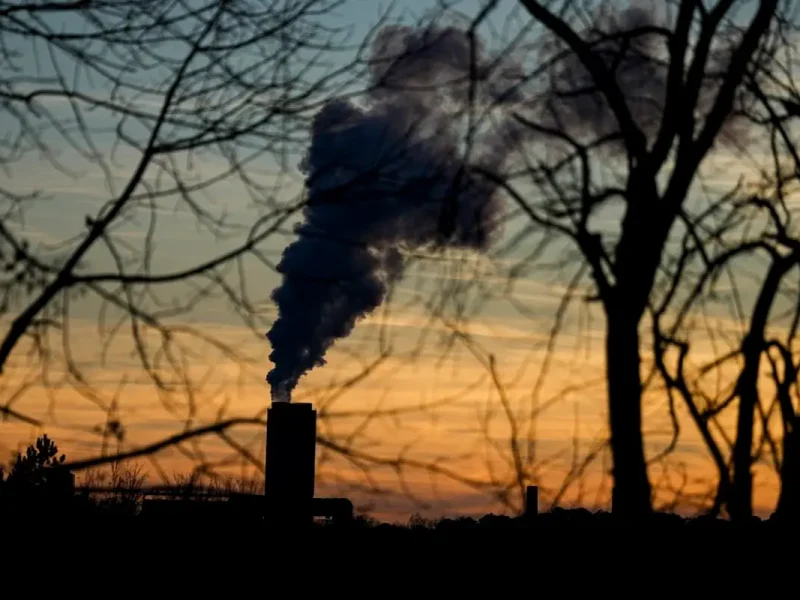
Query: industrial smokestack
[290,464]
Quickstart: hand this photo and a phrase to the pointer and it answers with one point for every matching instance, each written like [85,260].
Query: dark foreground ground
[130,516]
[562,548]
[559,520]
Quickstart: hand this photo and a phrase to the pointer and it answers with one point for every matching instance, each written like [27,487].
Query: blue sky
[74,197]
[180,243]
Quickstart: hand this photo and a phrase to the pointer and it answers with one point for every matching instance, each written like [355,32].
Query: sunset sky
[432,396]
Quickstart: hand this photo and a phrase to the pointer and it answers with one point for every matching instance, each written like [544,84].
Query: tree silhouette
[637,102]
[126,118]
[34,467]
[756,375]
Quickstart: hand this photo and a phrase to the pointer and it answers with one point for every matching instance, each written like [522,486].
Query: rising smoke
[392,175]
[575,101]
[384,178]
[629,44]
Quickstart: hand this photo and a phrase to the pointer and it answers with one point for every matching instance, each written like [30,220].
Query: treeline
[39,490]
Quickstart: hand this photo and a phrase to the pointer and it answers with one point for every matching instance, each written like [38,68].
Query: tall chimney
[290,464]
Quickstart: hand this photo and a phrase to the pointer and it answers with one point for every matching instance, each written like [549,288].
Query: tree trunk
[741,503]
[631,492]
[741,500]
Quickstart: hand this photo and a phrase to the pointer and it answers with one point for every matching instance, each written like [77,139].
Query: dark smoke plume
[575,101]
[383,178]
[636,55]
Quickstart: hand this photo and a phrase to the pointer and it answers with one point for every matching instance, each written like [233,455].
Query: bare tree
[745,248]
[197,108]
[193,110]
[635,102]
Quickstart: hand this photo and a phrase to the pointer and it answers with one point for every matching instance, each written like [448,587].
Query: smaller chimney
[290,464]
[531,502]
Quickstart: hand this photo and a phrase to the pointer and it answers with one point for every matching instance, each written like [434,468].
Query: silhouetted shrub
[496,521]
[38,486]
[417,521]
[460,523]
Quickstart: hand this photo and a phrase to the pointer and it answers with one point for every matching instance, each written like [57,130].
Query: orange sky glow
[434,409]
